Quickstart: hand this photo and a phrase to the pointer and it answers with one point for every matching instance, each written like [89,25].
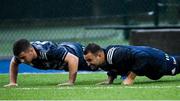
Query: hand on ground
[65,84]
[127,82]
[103,83]
[11,85]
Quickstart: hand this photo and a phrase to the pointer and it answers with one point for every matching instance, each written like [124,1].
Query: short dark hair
[93,48]
[20,45]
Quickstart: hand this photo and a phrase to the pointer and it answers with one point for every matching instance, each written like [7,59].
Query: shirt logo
[43,55]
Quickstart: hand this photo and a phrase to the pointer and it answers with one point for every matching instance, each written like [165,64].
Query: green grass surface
[43,87]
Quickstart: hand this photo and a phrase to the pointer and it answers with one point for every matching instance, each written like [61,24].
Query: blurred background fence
[66,20]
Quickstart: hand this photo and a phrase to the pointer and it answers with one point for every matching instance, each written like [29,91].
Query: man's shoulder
[110,50]
[43,45]
[116,46]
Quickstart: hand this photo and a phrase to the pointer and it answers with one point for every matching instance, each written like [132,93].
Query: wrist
[13,83]
[71,82]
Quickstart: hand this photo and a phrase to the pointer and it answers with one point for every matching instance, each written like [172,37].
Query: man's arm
[72,61]
[129,79]
[13,73]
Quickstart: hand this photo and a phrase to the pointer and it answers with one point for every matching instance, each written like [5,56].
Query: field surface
[43,87]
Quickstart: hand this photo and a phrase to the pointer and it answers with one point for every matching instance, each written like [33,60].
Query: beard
[93,67]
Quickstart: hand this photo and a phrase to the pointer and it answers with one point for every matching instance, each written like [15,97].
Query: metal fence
[60,20]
